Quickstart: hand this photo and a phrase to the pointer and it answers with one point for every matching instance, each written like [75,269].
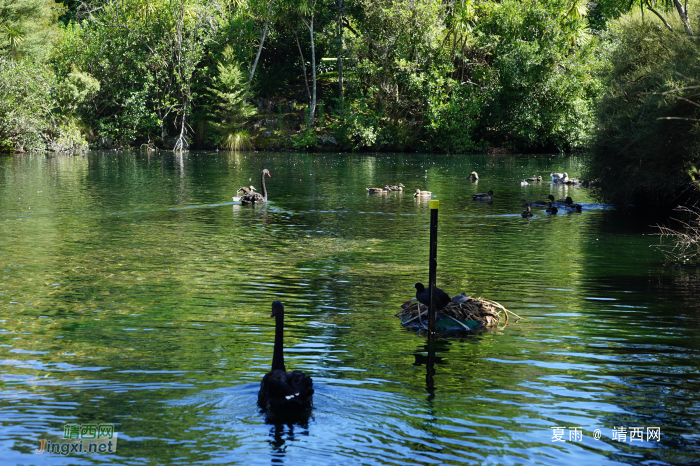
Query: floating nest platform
[468,316]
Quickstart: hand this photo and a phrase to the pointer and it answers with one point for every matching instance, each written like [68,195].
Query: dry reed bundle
[484,312]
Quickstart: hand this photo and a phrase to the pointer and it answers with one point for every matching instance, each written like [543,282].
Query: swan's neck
[278,354]
[264,189]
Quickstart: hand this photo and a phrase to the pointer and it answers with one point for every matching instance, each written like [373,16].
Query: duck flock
[248,195]
[552,205]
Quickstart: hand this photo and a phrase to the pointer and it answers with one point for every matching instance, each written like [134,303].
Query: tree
[27,27]
[228,108]
[148,70]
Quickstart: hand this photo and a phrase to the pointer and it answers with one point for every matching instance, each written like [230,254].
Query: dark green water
[134,293]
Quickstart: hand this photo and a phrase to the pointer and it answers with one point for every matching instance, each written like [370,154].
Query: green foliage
[540,85]
[648,136]
[27,27]
[76,89]
[228,110]
[26,102]
[150,69]
[305,140]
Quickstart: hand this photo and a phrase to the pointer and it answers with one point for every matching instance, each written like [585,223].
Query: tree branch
[649,7]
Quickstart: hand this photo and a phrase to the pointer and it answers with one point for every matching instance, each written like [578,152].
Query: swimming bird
[551,209]
[376,190]
[559,177]
[569,205]
[243,190]
[420,193]
[482,196]
[534,179]
[398,187]
[538,202]
[282,391]
[527,213]
[257,198]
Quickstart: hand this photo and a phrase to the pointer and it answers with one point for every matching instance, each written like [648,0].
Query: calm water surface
[133,292]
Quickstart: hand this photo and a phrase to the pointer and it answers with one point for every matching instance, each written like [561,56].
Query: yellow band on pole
[434,204]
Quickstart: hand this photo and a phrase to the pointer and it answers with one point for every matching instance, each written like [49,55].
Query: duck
[376,190]
[257,198]
[551,209]
[473,176]
[527,213]
[282,391]
[569,205]
[559,177]
[243,190]
[398,187]
[483,196]
[420,193]
[534,179]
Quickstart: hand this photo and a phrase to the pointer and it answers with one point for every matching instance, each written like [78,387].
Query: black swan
[283,391]
[257,198]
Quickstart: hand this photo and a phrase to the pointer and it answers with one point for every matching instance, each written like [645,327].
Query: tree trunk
[340,54]
[310,26]
[303,65]
[683,13]
[257,56]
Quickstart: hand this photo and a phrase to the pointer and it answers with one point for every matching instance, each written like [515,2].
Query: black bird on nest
[442,299]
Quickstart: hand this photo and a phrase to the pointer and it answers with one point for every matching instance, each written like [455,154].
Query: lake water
[133,292]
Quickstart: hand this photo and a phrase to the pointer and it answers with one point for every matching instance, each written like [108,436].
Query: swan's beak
[268,174]
[273,314]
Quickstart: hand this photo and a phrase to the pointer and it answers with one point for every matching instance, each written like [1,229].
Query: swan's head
[277,309]
[490,193]
[419,287]
[267,172]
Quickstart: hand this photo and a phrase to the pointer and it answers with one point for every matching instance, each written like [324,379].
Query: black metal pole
[432,269]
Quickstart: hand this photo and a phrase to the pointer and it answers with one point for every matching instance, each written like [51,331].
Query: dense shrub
[26,102]
[647,136]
